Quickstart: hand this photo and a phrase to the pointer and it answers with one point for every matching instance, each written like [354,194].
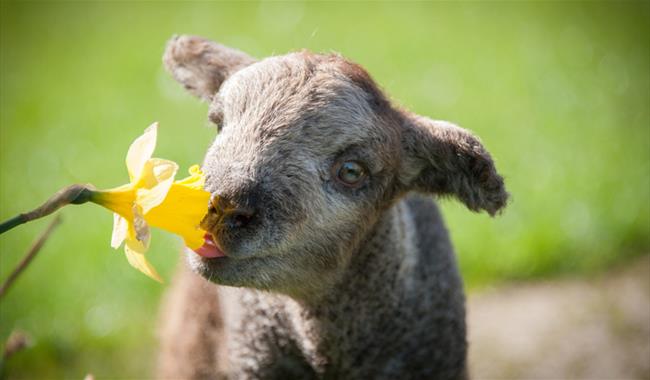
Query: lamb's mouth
[211,262]
[210,249]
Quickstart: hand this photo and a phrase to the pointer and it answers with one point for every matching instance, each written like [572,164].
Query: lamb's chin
[205,262]
[222,270]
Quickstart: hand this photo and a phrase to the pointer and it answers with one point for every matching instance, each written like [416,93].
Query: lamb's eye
[350,173]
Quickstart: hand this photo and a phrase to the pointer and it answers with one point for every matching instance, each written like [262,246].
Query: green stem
[13,222]
[73,194]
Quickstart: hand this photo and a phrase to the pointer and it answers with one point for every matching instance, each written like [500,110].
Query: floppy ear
[444,159]
[202,65]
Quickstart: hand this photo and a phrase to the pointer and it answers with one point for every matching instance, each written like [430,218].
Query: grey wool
[338,264]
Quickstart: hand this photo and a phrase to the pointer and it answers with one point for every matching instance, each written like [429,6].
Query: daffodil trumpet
[152,198]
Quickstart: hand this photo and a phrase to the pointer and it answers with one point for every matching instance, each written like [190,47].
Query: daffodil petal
[137,260]
[140,227]
[120,230]
[196,180]
[140,152]
[157,177]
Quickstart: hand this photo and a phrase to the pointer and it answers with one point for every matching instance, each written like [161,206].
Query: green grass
[558,92]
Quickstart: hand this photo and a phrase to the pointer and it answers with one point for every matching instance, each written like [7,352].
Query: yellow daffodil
[153,198]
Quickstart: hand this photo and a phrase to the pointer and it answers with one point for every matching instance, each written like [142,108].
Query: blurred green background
[558,92]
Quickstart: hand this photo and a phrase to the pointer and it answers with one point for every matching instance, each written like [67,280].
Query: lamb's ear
[202,65]
[444,159]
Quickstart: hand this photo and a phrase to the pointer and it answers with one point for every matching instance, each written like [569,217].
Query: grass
[558,92]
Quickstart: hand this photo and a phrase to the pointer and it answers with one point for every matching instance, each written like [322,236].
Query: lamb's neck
[364,301]
[374,268]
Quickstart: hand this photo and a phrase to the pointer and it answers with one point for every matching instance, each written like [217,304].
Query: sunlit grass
[559,93]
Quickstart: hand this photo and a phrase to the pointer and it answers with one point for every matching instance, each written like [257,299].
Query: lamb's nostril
[229,214]
[238,218]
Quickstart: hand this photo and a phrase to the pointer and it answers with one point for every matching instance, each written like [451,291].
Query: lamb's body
[332,267]
[398,312]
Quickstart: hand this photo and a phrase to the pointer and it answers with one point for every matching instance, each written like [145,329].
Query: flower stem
[73,194]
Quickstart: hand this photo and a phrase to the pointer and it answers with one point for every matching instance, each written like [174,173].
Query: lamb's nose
[230,214]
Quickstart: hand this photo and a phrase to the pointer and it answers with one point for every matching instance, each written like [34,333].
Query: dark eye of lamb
[351,173]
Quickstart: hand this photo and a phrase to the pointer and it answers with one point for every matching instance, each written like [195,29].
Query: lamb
[332,259]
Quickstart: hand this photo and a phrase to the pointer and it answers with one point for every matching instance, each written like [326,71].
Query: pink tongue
[209,248]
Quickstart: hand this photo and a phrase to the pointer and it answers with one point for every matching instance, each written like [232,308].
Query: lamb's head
[309,154]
